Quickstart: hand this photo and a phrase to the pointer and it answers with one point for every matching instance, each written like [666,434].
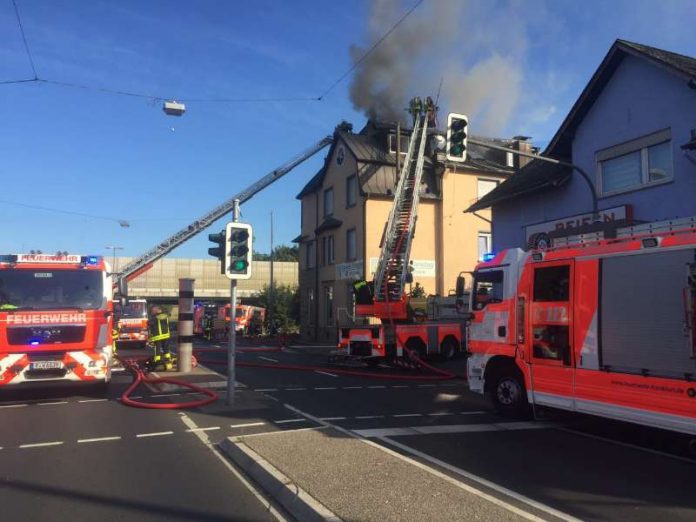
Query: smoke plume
[476,48]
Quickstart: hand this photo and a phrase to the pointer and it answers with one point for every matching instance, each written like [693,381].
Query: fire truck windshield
[50,289]
[132,309]
[488,288]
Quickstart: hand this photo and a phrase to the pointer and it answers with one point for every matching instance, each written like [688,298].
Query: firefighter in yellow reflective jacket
[158,327]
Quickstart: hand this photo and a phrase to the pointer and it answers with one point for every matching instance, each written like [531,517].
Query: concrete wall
[162,280]
[640,99]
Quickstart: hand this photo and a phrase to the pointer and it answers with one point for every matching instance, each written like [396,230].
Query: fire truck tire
[449,348]
[508,393]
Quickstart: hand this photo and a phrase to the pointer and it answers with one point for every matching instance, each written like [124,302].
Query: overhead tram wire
[24,39]
[210,100]
[122,222]
[370,50]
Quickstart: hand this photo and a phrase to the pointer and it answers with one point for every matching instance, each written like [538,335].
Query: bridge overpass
[161,282]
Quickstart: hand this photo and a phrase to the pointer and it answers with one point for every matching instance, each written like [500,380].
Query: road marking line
[408,415]
[449,384]
[376,387]
[401,386]
[41,444]
[203,437]
[462,485]
[441,414]
[332,418]
[285,421]
[98,439]
[210,428]
[295,389]
[325,373]
[370,417]
[154,434]
[351,387]
[475,412]
[326,388]
[265,389]
[93,400]
[268,359]
[427,385]
[14,405]
[482,481]
[628,445]
[247,425]
[52,402]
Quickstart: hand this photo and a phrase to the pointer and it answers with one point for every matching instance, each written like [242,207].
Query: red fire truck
[131,322]
[602,324]
[248,320]
[55,319]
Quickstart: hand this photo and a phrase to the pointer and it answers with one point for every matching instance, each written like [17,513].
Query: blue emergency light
[490,256]
[90,260]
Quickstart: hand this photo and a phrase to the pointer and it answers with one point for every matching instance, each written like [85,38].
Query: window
[636,163]
[404,142]
[551,339]
[484,244]
[552,283]
[351,253]
[328,305]
[328,202]
[484,186]
[488,288]
[351,191]
[310,255]
[327,251]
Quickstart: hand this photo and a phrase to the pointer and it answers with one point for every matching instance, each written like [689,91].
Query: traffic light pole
[232,345]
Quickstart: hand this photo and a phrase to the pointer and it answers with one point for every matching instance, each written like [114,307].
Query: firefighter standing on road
[158,327]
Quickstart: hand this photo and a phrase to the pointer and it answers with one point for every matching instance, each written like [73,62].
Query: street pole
[232,345]
[271,300]
[113,256]
[586,177]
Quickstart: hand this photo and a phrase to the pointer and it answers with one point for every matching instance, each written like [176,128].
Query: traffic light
[456,136]
[219,251]
[238,251]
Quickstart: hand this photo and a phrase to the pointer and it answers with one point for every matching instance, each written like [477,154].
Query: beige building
[345,207]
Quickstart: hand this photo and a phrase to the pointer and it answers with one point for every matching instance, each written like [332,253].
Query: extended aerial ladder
[145,261]
[388,298]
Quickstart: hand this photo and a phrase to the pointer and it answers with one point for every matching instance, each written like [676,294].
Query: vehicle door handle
[502,331]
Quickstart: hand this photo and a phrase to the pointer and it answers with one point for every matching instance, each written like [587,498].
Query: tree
[284,307]
[280,253]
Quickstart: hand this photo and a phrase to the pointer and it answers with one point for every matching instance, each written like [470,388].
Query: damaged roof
[538,175]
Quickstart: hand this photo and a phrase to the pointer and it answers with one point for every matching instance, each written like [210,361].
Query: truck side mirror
[461,284]
[123,287]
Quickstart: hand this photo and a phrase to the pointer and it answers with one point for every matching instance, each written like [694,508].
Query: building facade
[345,207]
[632,130]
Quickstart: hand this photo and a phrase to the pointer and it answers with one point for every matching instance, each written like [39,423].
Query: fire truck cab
[131,322]
[601,324]
[55,319]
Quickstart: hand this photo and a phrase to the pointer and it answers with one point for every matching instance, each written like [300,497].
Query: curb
[294,499]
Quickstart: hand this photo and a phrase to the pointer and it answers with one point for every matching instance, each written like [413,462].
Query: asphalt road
[68,454]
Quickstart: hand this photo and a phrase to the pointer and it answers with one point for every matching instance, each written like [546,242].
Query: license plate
[47,365]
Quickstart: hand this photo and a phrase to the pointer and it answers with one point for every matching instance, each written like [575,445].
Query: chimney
[522,144]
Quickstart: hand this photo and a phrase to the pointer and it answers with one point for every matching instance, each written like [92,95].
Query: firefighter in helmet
[158,329]
[415,107]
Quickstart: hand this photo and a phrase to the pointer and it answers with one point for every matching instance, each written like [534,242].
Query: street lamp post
[113,256]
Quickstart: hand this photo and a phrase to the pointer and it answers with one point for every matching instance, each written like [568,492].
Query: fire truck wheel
[509,395]
[449,348]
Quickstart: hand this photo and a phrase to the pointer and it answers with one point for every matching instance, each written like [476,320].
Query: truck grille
[45,335]
[361,348]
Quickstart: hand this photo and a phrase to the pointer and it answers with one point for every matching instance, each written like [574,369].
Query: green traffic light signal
[238,252]
[456,137]
[239,265]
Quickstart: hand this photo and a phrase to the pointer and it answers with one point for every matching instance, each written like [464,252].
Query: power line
[369,51]
[24,38]
[122,222]
[5,82]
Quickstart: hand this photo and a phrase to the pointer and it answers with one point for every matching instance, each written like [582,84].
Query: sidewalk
[324,474]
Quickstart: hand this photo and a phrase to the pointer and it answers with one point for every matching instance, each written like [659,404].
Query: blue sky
[515,66]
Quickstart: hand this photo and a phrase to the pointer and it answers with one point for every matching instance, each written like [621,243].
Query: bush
[284,309]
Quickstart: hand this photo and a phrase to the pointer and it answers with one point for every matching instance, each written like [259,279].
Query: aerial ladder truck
[403,334]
